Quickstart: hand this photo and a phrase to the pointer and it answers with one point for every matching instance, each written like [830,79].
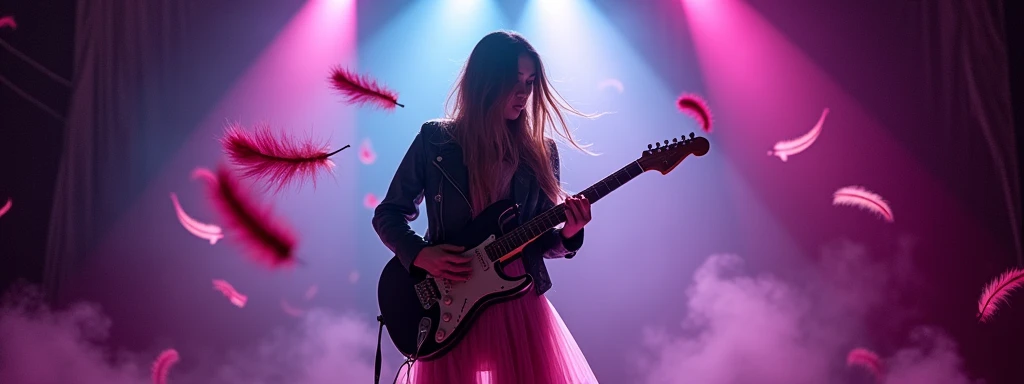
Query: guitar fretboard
[556,215]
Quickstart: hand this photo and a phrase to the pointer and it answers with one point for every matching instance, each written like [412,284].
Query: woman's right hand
[445,261]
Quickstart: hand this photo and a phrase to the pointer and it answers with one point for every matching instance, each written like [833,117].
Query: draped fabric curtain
[124,51]
[969,79]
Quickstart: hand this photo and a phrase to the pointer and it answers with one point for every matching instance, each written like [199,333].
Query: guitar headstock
[665,158]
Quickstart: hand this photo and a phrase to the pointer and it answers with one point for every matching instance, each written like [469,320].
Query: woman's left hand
[577,214]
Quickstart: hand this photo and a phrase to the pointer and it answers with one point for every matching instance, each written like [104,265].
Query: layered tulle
[518,341]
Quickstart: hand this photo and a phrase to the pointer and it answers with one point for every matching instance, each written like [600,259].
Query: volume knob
[439,335]
[446,317]
[447,299]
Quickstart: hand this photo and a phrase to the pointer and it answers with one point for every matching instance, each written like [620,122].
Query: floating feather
[6,207]
[363,89]
[162,365]
[859,197]
[208,232]
[291,310]
[695,106]
[785,149]
[278,160]
[231,293]
[8,21]
[205,174]
[866,359]
[268,240]
[997,292]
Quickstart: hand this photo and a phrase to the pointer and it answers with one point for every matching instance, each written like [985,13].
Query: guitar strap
[377,361]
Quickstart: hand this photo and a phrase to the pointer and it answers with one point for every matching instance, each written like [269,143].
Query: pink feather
[784,149]
[866,359]
[859,197]
[6,207]
[362,89]
[8,21]
[208,232]
[695,106]
[162,365]
[279,160]
[997,292]
[269,241]
[230,292]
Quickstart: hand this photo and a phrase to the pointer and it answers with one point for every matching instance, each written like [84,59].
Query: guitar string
[522,234]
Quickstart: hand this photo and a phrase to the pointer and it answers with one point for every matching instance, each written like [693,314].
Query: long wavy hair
[475,108]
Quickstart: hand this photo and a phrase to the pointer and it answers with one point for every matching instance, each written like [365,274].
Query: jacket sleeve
[401,205]
[551,244]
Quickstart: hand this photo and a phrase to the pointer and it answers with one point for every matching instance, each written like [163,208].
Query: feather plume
[695,106]
[269,241]
[362,89]
[787,148]
[6,207]
[8,21]
[279,160]
[866,359]
[205,174]
[162,365]
[209,232]
[859,197]
[291,310]
[997,292]
[230,292]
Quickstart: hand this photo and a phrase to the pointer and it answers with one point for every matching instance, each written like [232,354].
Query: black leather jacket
[433,168]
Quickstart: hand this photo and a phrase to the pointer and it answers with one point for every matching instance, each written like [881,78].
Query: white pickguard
[483,281]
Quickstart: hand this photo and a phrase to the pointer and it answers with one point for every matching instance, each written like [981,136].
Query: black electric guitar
[426,316]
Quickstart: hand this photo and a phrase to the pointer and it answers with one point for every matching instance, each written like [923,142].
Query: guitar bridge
[427,292]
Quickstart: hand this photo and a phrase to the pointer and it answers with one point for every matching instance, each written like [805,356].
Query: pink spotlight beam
[229,291]
[861,198]
[785,149]
[208,232]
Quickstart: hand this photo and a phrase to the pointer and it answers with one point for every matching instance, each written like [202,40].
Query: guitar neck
[556,215]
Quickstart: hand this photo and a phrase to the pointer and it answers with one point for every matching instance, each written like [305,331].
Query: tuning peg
[666,141]
[649,146]
[691,135]
[657,145]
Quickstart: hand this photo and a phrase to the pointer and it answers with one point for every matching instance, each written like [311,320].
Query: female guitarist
[492,146]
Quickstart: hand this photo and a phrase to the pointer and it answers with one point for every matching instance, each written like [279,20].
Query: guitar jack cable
[408,361]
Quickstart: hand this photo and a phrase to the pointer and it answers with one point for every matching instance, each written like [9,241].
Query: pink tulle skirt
[518,341]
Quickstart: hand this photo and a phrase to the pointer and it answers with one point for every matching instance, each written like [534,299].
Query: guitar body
[426,316]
